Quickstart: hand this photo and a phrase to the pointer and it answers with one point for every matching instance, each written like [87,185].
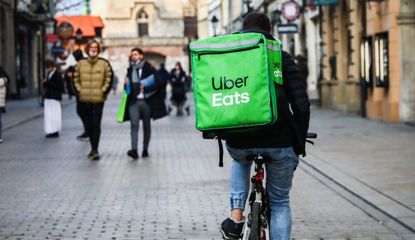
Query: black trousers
[91,115]
[78,111]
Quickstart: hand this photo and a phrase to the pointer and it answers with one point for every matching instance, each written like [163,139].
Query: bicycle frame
[258,196]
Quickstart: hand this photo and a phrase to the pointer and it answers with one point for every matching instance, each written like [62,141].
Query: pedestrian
[68,80]
[283,141]
[53,88]
[303,67]
[92,80]
[145,100]
[78,55]
[164,76]
[177,82]
[4,81]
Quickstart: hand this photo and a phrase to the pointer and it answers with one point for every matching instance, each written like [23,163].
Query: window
[142,21]
[366,61]
[382,60]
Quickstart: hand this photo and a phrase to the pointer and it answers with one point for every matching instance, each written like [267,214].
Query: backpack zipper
[228,51]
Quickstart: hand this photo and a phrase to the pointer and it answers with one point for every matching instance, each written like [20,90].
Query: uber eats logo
[234,97]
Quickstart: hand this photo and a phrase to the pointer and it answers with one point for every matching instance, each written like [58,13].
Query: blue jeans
[279,174]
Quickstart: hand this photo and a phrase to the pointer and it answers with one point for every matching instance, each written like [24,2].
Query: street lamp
[214,22]
[248,7]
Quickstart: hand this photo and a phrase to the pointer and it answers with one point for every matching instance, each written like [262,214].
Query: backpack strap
[220,152]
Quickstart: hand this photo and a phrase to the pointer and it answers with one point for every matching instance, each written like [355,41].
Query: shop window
[142,21]
[366,61]
[382,60]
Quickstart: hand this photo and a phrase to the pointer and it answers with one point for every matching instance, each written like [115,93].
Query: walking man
[145,100]
[92,80]
[282,142]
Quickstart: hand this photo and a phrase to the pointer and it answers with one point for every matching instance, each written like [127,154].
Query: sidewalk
[21,111]
[373,160]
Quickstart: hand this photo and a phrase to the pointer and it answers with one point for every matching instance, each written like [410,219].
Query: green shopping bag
[121,110]
[234,79]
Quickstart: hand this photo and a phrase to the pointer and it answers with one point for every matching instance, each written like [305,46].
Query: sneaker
[83,137]
[133,154]
[144,154]
[94,155]
[231,230]
[1,140]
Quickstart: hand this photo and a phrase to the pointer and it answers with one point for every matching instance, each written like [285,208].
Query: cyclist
[282,142]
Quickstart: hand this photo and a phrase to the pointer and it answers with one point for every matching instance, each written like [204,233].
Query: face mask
[93,53]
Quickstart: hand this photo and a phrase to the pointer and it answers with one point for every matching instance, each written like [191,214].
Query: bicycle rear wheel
[255,232]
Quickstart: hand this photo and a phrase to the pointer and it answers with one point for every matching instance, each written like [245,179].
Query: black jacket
[156,101]
[53,88]
[293,115]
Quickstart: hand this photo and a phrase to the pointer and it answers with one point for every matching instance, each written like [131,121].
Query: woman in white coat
[4,79]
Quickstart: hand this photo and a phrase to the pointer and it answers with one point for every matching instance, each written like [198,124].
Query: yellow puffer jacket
[92,79]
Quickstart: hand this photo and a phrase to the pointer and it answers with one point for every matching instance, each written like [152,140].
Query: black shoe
[231,230]
[52,135]
[133,154]
[144,154]
[94,155]
[83,137]
[188,110]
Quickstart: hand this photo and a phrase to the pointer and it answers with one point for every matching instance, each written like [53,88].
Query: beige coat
[92,79]
[3,93]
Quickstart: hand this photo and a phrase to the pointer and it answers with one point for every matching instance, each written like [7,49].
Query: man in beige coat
[92,80]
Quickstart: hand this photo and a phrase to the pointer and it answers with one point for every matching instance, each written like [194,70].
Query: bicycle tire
[255,228]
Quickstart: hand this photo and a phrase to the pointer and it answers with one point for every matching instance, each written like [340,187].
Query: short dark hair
[257,20]
[78,55]
[139,50]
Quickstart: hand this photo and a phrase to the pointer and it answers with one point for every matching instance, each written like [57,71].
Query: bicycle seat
[258,157]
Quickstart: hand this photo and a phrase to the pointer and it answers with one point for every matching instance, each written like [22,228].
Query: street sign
[326,2]
[290,10]
[287,28]
[52,38]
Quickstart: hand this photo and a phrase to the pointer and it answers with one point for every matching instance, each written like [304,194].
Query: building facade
[368,48]
[7,40]
[156,26]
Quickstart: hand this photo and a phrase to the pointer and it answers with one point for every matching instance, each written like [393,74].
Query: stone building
[368,58]
[156,26]
[7,39]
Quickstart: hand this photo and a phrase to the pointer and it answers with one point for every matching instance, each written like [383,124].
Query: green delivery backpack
[234,79]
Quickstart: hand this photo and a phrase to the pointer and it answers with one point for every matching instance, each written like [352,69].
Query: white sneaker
[1,140]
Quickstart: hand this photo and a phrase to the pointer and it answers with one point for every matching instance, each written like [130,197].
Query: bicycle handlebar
[311,135]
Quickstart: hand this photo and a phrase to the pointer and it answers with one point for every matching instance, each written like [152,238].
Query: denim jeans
[279,174]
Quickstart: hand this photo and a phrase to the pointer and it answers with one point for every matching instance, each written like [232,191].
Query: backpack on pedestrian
[236,82]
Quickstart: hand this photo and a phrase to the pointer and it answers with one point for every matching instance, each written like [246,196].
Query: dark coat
[54,87]
[156,101]
[291,128]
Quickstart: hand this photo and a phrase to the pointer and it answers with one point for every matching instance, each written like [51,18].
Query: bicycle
[257,225]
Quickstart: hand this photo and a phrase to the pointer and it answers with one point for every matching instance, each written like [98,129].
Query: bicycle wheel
[255,232]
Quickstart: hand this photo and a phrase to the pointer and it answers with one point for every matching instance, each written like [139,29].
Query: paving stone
[50,190]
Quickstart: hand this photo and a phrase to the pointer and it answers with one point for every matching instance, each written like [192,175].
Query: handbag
[121,110]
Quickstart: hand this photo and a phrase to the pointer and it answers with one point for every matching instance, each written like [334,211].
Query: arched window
[142,23]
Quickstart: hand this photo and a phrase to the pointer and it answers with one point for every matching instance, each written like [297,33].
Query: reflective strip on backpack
[273,47]
[224,45]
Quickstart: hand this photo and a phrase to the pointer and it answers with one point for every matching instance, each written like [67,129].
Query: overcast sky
[72,7]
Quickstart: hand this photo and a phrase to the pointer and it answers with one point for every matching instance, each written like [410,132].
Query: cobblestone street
[50,190]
